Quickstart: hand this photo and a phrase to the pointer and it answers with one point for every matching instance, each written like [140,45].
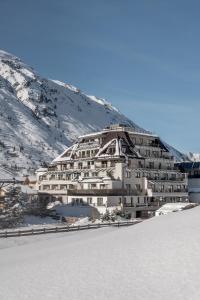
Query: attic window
[123,149]
[111,150]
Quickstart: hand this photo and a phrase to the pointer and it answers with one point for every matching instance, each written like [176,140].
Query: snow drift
[156,259]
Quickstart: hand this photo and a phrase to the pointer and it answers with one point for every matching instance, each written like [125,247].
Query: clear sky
[142,56]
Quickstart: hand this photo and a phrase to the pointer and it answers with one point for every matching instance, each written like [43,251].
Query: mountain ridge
[39,117]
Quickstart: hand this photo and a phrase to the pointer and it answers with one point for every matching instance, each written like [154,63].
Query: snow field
[156,259]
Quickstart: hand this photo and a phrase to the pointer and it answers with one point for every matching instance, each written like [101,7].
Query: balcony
[104,192]
[170,191]
[168,179]
[159,168]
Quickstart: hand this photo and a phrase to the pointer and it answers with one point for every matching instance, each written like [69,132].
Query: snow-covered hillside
[156,259]
[194,156]
[40,117]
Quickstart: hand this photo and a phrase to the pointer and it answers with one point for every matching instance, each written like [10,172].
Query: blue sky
[143,56]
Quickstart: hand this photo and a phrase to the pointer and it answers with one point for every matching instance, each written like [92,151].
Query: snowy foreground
[156,259]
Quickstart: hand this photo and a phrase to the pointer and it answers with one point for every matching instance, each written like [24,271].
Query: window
[133,140]
[162,188]
[147,153]
[169,166]
[94,174]
[99,201]
[140,164]
[137,175]
[93,185]
[112,164]
[138,188]
[128,174]
[54,187]
[131,201]
[89,200]
[63,187]
[103,186]
[151,165]
[111,151]
[155,153]
[71,186]
[80,165]
[123,149]
[104,164]
[46,187]
[140,141]
[86,174]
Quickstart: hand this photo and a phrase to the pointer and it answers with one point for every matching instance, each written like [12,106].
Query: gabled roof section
[67,154]
[117,147]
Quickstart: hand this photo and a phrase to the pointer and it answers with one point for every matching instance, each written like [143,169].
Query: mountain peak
[7,55]
[40,117]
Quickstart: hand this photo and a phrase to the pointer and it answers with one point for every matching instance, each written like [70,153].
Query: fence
[17,233]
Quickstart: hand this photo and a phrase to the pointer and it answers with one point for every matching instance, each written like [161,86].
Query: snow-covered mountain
[40,117]
[193,156]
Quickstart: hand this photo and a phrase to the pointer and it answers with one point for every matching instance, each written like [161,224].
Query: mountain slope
[40,117]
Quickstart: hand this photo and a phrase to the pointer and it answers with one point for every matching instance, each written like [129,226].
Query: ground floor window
[99,201]
[89,200]
[77,201]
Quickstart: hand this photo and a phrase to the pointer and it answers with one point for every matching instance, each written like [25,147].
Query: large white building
[115,168]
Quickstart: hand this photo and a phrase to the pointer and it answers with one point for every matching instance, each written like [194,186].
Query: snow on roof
[27,190]
[127,129]
[42,170]
[6,174]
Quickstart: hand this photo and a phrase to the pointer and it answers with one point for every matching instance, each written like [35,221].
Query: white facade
[117,168]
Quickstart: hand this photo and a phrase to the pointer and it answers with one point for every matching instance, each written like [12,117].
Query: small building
[29,181]
[192,168]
